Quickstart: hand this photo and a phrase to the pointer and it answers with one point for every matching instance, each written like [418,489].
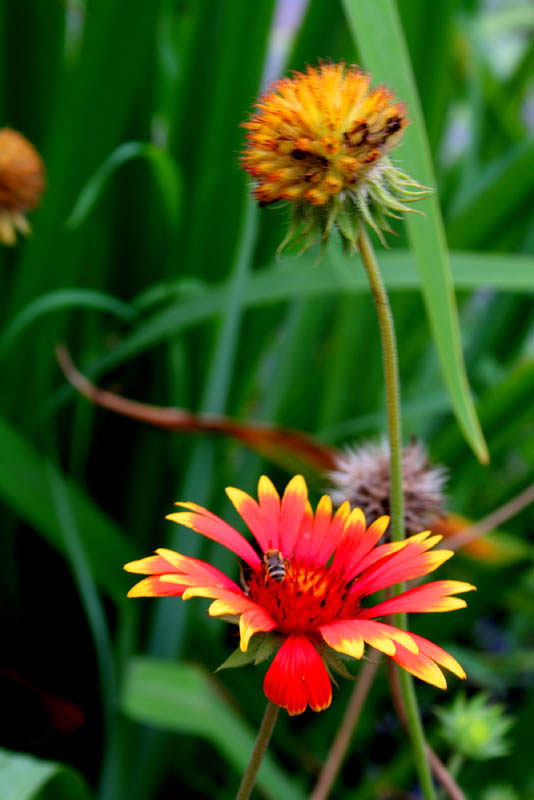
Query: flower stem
[338,751]
[262,741]
[392,386]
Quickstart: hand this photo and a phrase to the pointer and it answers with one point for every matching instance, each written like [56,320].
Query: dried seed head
[21,183]
[362,477]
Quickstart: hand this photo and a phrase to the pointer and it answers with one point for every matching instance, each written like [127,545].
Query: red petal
[424,665]
[291,513]
[270,505]
[411,561]
[203,521]
[429,597]
[298,678]
[325,542]
[351,539]
[250,511]
[157,586]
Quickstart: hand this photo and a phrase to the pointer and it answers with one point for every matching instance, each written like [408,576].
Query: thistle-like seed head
[362,477]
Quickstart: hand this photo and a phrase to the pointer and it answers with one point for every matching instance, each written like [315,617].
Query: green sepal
[260,648]
[334,663]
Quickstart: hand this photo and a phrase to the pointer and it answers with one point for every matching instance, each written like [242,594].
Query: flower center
[303,598]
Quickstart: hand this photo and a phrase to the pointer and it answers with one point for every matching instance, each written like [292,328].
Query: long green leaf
[183,698]
[165,172]
[24,485]
[378,33]
[23,777]
[62,300]
[336,276]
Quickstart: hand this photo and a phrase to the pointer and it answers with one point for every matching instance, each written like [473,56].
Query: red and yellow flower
[320,140]
[314,600]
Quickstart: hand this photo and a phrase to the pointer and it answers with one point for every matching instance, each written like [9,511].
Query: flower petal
[252,514]
[297,677]
[411,561]
[254,620]
[343,637]
[292,511]
[439,655]
[199,572]
[157,586]
[269,501]
[365,552]
[203,521]
[352,536]
[153,565]
[327,540]
[421,666]
[428,597]
[347,636]
[306,535]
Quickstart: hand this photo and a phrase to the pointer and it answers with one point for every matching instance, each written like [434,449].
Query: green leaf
[240,659]
[335,275]
[62,300]
[25,486]
[268,644]
[164,169]
[493,198]
[183,698]
[378,34]
[261,647]
[23,777]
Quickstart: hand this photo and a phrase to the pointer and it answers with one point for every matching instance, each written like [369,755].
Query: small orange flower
[21,183]
[308,585]
[320,141]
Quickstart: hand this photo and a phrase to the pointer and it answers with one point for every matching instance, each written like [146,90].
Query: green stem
[262,742]
[393,406]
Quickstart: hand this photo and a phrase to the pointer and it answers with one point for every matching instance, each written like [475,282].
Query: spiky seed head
[361,476]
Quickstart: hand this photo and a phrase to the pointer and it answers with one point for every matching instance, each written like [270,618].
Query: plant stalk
[396,494]
[262,741]
[341,743]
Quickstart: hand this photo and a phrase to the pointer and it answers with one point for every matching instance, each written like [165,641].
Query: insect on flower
[310,587]
[275,565]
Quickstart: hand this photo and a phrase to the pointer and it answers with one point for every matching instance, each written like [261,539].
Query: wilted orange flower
[21,183]
[308,586]
[320,141]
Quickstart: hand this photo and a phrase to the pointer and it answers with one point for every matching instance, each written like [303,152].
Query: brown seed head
[21,172]
[362,477]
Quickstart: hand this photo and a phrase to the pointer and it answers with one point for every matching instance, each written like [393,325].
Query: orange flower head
[307,583]
[320,141]
[21,183]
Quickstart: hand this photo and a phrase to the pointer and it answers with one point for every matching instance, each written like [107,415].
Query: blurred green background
[151,263]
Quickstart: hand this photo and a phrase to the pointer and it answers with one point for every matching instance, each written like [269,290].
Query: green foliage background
[151,262]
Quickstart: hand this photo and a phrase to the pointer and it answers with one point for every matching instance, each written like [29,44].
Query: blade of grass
[165,173]
[493,198]
[185,699]
[77,557]
[62,300]
[378,33]
[25,487]
[25,777]
[278,284]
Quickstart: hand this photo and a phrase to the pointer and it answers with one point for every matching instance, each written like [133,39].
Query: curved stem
[341,743]
[262,741]
[392,386]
